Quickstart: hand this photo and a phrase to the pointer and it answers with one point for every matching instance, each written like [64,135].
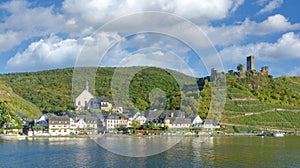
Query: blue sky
[40,35]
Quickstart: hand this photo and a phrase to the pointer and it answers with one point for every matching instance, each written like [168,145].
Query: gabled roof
[58,119]
[89,119]
[128,114]
[116,116]
[181,121]
[70,115]
[101,99]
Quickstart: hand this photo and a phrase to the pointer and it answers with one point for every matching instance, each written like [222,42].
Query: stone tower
[250,63]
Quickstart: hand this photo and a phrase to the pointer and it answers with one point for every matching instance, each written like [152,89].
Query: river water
[223,151]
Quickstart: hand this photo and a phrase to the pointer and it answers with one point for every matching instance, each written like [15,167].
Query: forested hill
[14,103]
[51,90]
[250,99]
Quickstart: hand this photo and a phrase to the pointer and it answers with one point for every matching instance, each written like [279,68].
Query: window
[79,103]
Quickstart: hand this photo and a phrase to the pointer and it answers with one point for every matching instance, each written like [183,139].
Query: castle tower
[86,87]
[250,63]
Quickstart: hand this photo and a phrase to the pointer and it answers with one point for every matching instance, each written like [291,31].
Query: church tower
[86,87]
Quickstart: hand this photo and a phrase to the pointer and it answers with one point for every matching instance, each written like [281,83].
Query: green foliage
[283,119]
[240,67]
[135,124]
[205,98]
[147,80]
[8,119]
[17,104]
[239,129]
[51,91]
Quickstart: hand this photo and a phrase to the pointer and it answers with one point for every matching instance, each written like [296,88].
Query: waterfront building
[59,125]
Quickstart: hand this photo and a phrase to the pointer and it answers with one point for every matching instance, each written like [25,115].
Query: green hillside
[51,90]
[15,103]
[254,102]
[259,102]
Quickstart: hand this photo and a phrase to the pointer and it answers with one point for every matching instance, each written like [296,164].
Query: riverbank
[23,137]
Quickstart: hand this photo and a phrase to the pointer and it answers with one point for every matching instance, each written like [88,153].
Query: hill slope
[256,101]
[259,102]
[51,91]
[15,103]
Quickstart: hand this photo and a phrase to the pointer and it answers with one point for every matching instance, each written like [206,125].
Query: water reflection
[137,146]
[190,152]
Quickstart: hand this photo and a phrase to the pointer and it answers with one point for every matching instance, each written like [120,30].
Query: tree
[5,116]
[205,99]
[240,67]
[8,118]
[135,124]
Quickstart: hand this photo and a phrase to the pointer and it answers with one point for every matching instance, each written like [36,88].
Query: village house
[172,118]
[210,124]
[91,125]
[196,121]
[59,125]
[135,117]
[176,119]
[41,121]
[83,124]
[115,121]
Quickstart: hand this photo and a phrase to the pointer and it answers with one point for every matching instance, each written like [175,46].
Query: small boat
[278,134]
[262,134]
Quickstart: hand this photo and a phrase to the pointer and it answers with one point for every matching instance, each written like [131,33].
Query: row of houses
[71,123]
[95,115]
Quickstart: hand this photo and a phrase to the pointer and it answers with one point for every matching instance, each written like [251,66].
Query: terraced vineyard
[245,112]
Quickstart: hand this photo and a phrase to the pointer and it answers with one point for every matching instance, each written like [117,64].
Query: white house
[59,125]
[115,121]
[83,101]
[177,122]
[196,120]
[137,117]
[210,124]
[41,121]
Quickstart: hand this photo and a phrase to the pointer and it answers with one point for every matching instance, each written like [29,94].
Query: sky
[190,36]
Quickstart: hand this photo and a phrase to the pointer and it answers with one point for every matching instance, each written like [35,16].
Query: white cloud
[23,23]
[285,48]
[81,18]
[49,53]
[261,2]
[55,52]
[273,24]
[87,16]
[236,5]
[274,4]
[9,39]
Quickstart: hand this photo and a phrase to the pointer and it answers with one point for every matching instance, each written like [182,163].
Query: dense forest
[52,91]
